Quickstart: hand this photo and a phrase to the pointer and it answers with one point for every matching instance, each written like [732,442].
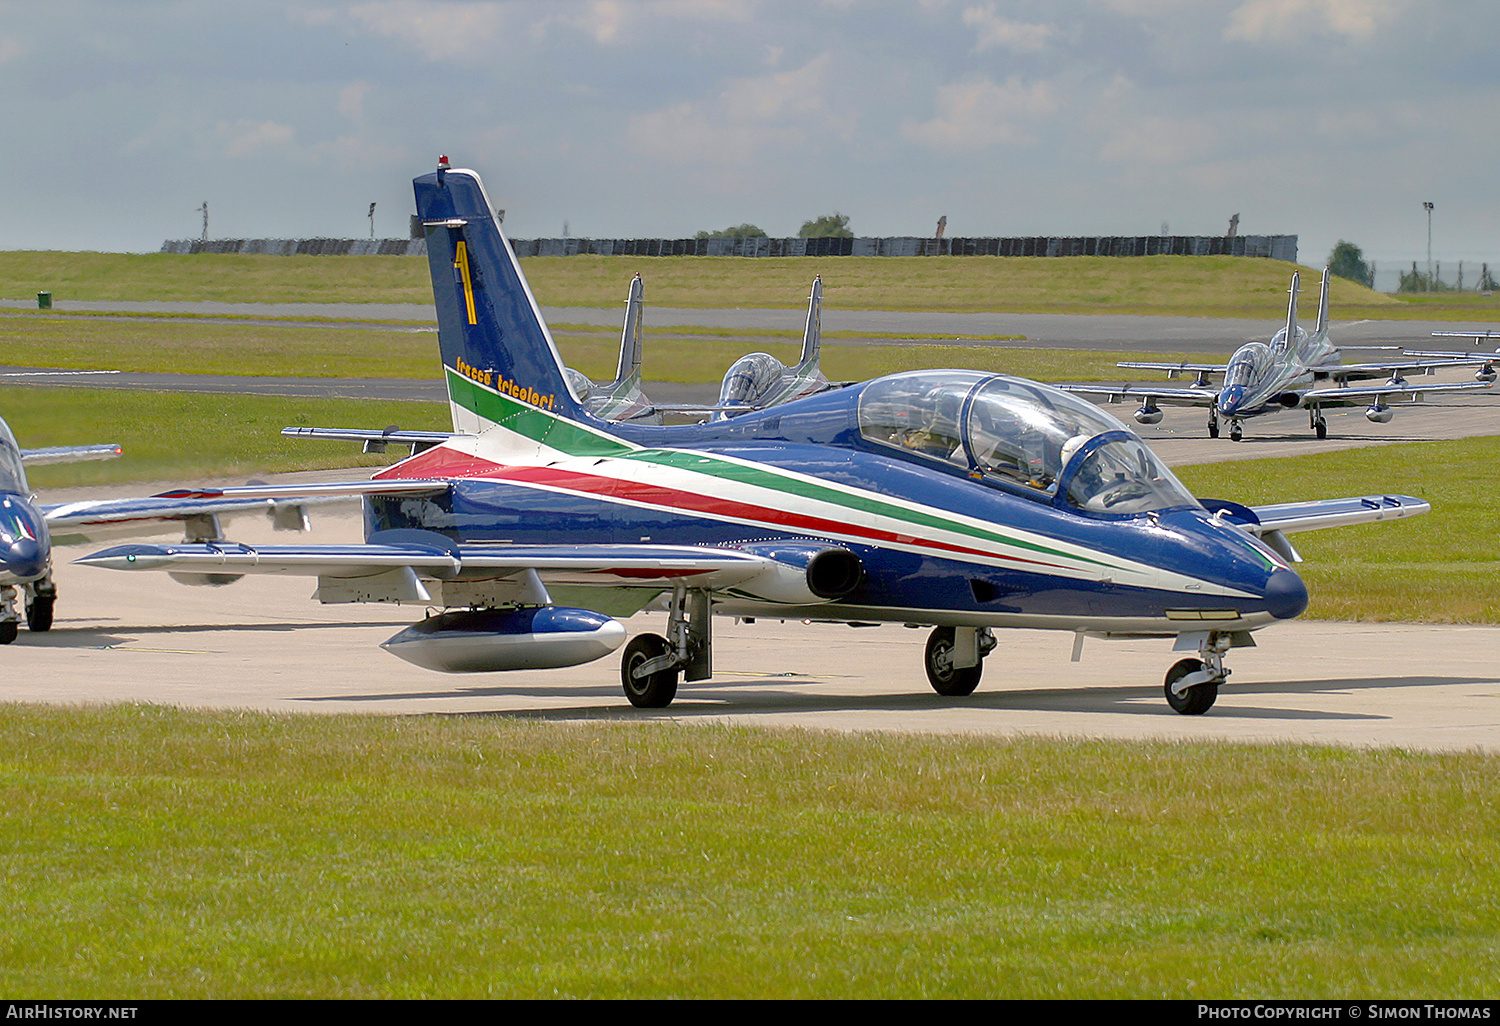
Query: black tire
[39,613]
[8,631]
[941,674]
[1321,429]
[1196,700]
[656,690]
[1236,432]
[1213,429]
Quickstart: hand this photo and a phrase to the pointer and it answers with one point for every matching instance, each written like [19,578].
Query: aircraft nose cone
[1230,399]
[23,558]
[1286,595]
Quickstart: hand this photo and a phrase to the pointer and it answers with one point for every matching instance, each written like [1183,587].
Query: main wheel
[941,673]
[39,613]
[1320,428]
[1213,428]
[1197,699]
[8,631]
[655,690]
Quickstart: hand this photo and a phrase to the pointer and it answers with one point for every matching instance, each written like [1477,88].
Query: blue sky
[1327,119]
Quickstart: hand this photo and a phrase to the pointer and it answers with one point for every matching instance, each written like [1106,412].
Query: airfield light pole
[204,211]
[1428,207]
[372,220]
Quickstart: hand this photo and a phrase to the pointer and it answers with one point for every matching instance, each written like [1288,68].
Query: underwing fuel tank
[486,640]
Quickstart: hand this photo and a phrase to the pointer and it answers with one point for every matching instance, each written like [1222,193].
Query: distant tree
[738,231]
[829,226]
[1348,261]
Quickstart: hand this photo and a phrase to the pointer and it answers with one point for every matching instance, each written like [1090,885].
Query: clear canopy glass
[1039,440]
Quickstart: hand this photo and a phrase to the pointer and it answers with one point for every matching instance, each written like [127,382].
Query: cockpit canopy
[1025,437]
[1249,363]
[12,472]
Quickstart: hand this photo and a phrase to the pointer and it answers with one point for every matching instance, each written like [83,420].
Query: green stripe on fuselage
[575,439]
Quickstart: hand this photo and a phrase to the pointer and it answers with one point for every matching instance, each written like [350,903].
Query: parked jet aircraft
[1486,358]
[958,500]
[1283,375]
[28,529]
[758,380]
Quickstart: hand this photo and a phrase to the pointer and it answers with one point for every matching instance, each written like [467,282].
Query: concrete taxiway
[263,644]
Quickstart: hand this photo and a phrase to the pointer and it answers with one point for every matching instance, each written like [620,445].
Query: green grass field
[153,853]
[1189,286]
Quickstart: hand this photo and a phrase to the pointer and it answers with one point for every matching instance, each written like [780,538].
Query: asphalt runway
[263,644]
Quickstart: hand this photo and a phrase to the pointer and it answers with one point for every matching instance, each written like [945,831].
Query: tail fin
[1323,305]
[1291,308]
[496,348]
[630,337]
[812,335]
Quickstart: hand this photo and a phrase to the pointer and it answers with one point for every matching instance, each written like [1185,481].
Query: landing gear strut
[955,659]
[651,663]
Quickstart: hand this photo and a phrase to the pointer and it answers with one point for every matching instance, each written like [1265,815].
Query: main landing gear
[955,659]
[652,663]
[1317,423]
[40,598]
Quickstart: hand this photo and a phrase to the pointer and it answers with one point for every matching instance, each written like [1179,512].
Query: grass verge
[154,853]
[1429,569]
[1187,286]
[183,437]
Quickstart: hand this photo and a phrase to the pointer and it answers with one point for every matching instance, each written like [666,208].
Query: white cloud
[995,30]
[980,114]
[438,30]
[245,138]
[1287,20]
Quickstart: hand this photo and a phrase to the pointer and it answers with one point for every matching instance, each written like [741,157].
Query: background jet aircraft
[1291,372]
[27,528]
[758,380]
[1486,358]
[959,500]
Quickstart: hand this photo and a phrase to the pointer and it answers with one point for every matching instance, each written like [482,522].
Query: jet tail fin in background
[630,337]
[1322,328]
[812,334]
[1290,335]
[496,349]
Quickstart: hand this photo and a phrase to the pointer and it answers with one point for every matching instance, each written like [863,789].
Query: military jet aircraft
[1295,370]
[758,380]
[28,528]
[1486,358]
[957,500]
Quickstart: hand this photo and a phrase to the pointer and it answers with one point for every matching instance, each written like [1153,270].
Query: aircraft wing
[1287,517]
[1175,370]
[1358,395]
[283,503]
[1366,371]
[1145,394]
[372,440]
[1272,523]
[69,454]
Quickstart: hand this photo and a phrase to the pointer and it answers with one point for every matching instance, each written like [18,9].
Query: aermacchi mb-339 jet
[1295,370]
[956,500]
[28,528]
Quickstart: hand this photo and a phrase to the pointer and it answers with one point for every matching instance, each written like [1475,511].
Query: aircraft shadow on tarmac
[768,694]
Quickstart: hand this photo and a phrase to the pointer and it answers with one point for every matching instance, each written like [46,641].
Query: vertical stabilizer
[630,338]
[1322,329]
[1291,309]
[496,349]
[812,334]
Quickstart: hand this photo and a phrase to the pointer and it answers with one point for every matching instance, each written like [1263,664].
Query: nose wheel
[1195,699]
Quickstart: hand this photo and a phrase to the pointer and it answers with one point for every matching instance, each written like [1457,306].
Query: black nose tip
[1286,595]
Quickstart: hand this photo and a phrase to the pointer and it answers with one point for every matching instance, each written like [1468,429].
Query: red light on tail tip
[443,163]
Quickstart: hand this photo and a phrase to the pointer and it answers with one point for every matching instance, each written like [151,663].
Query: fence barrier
[1275,247]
